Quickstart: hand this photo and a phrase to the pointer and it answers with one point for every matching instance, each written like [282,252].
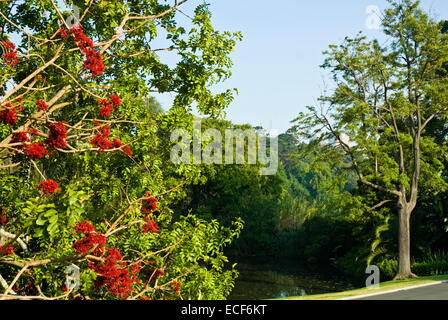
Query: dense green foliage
[316,215]
[138,225]
[110,215]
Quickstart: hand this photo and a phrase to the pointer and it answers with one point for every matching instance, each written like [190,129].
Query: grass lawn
[384,286]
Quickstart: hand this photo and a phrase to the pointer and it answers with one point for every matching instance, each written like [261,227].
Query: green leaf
[40,221]
[53,219]
[51,212]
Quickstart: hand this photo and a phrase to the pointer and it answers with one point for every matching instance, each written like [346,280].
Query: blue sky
[277,64]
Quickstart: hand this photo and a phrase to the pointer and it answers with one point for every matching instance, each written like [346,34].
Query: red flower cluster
[93,62]
[128,151]
[90,240]
[20,137]
[84,227]
[49,186]
[32,131]
[10,55]
[101,139]
[115,100]
[150,225]
[9,249]
[107,106]
[8,115]
[36,150]
[63,33]
[2,216]
[176,285]
[9,45]
[149,204]
[113,274]
[80,39]
[41,105]
[118,144]
[58,133]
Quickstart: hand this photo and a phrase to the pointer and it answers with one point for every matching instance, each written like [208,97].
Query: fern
[375,249]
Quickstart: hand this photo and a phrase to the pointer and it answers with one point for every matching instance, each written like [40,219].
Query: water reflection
[283,279]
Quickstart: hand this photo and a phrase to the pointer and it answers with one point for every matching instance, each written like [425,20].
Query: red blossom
[20,137]
[9,45]
[149,204]
[32,131]
[9,249]
[176,285]
[63,32]
[91,239]
[150,225]
[8,115]
[80,39]
[58,133]
[101,140]
[3,218]
[128,151]
[115,100]
[113,274]
[106,108]
[94,61]
[84,227]
[117,143]
[36,150]
[41,105]
[10,56]
[49,186]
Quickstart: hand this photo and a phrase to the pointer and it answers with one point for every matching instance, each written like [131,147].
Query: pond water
[279,279]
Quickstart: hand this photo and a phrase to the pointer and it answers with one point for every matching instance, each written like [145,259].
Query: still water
[279,279]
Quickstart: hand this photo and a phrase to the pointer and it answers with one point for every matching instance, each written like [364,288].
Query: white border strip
[394,290]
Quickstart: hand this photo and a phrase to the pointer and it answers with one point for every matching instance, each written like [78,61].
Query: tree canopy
[384,99]
[85,176]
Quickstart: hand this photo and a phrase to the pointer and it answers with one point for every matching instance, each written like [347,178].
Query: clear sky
[277,64]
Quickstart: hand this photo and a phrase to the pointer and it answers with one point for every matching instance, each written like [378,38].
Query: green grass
[384,286]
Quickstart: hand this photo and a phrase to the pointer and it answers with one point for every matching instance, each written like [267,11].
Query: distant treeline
[315,213]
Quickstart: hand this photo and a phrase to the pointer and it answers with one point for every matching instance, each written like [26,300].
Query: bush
[388,269]
[430,265]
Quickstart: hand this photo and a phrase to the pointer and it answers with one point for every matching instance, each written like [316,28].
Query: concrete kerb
[394,290]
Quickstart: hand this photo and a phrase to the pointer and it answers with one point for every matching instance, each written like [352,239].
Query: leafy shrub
[388,269]
[430,265]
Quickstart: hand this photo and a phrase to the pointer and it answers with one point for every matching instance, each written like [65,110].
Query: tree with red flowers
[85,175]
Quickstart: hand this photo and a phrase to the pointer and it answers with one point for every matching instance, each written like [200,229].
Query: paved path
[432,292]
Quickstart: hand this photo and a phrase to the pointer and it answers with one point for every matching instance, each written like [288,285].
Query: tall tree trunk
[404,241]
